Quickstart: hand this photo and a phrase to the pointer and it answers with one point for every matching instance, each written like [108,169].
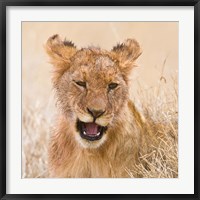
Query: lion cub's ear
[126,53]
[60,53]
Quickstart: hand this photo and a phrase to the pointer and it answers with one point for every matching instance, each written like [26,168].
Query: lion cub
[98,133]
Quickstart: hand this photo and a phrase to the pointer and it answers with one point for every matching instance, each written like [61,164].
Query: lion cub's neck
[68,159]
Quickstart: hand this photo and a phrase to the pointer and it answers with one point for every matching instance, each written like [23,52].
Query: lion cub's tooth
[98,133]
[84,133]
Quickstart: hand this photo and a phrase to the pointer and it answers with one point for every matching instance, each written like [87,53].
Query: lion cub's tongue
[91,128]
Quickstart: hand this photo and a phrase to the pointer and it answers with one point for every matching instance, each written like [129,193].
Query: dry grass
[35,134]
[160,107]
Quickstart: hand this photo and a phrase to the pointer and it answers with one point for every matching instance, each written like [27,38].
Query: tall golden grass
[158,104]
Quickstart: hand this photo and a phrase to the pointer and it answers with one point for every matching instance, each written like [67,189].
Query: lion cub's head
[91,85]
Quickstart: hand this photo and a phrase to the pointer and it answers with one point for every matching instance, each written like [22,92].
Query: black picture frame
[5,3]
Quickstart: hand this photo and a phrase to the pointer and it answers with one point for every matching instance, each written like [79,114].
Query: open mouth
[90,131]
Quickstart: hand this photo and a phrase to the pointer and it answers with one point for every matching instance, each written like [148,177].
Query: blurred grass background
[154,85]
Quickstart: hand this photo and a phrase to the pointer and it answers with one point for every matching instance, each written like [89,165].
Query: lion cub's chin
[86,144]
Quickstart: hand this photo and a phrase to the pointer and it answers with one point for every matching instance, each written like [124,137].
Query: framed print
[99,99]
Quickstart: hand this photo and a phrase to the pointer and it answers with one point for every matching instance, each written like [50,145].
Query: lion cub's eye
[112,86]
[81,83]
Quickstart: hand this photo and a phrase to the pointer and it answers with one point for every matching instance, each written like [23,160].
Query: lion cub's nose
[95,113]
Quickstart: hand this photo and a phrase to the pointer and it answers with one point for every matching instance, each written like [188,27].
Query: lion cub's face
[95,90]
[91,86]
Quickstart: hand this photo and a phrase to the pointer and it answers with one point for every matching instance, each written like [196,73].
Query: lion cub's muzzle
[96,113]
[91,131]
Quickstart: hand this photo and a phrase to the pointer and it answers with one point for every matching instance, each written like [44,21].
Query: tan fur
[118,150]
